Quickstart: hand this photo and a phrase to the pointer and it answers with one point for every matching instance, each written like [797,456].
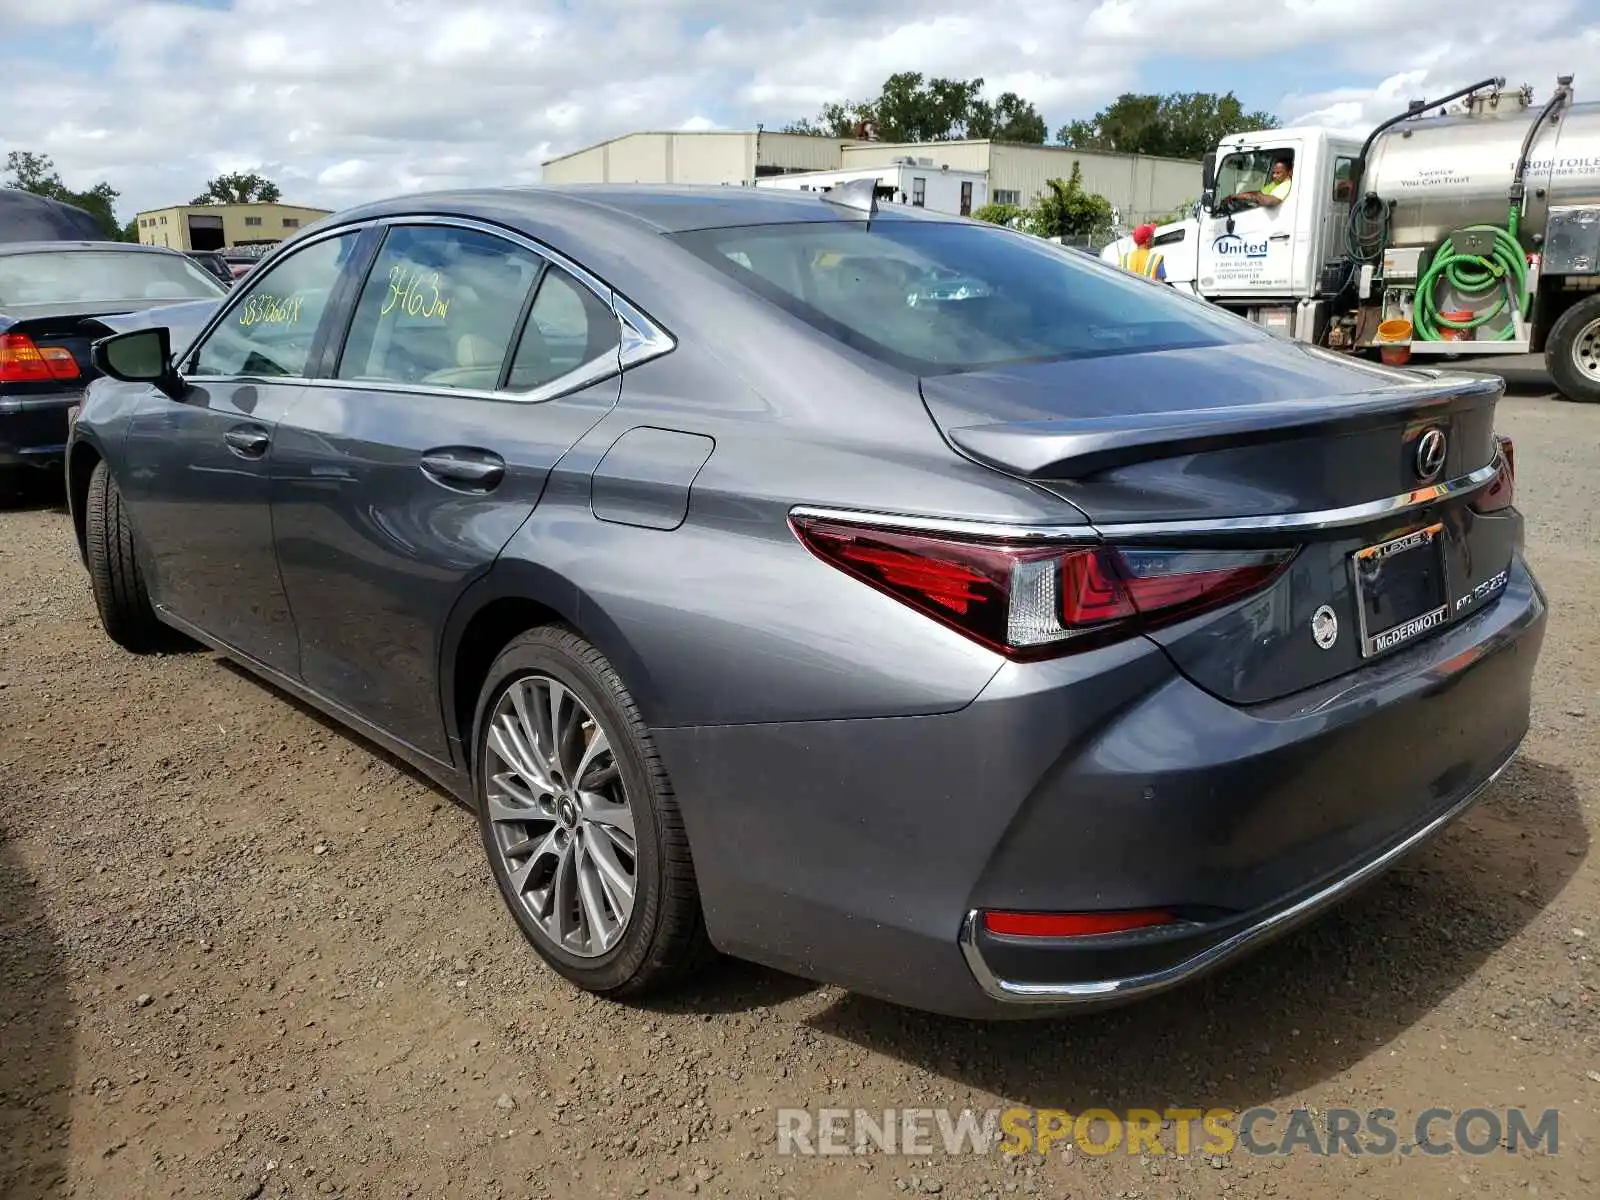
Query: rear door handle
[466,469]
[247,441]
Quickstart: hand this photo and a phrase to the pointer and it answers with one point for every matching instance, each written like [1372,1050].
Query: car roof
[665,208]
[70,247]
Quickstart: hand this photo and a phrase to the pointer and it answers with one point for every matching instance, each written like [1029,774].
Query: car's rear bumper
[857,852]
[33,429]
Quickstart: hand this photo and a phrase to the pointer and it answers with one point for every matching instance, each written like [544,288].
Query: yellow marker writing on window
[414,295]
[263,308]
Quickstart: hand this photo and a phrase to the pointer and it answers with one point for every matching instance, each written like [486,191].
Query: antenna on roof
[860,195]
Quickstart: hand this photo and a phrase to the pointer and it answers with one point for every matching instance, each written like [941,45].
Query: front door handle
[464,469]
[247,441]
[1279,237]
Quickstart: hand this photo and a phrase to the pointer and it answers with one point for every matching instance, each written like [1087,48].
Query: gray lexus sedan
[889,598]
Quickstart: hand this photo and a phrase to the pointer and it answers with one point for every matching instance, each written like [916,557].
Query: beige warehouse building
[1140,187]
[219,226]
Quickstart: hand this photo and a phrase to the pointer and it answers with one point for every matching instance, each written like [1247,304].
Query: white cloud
[340,101]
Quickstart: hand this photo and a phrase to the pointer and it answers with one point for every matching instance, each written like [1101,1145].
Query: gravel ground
[243,954]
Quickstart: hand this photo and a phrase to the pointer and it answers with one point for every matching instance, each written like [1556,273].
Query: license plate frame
[1429,540]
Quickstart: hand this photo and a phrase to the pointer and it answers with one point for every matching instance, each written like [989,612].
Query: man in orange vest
[1142,260]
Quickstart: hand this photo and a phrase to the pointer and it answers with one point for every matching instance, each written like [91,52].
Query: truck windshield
[935,297]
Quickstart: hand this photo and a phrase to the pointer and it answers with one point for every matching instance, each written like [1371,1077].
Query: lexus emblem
[1325,627]
[1430,454]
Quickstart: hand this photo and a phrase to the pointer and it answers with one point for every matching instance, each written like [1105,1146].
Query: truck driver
[1276,190]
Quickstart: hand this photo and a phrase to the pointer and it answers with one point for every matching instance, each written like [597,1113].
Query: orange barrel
[1461,316]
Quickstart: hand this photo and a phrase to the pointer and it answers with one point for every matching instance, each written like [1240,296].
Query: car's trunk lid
[1275,445]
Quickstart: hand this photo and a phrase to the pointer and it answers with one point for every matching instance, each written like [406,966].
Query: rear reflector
[1501,492]
[1028,600]
[21,361]
[1066,925]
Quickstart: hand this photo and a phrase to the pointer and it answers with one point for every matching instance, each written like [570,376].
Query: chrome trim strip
[1328,518]
[642,338]
[954,526]
[1013,992]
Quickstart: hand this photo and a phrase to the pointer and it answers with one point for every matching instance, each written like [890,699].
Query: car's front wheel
[114,573]
[579,821]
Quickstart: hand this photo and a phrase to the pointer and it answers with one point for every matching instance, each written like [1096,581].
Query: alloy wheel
[560,815]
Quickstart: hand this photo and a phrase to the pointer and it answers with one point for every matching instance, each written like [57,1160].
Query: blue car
[885,597]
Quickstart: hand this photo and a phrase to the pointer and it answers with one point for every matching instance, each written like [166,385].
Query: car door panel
[197,479]
[200,506]
[398,482]
[374,549]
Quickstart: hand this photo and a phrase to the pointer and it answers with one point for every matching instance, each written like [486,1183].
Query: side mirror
[1208,172]
[139,356]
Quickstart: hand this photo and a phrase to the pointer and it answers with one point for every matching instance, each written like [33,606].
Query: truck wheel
[1573,351]
[114,575]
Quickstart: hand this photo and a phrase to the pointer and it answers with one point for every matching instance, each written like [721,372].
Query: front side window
[568,327]
[96,276]
[270,331]
[941,297]
[440,309]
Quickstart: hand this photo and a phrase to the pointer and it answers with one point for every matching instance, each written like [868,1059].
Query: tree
[37,173]
[1177,125]
[130,231]
[1008,119]
[911,108]
[1066,210]
[239,188]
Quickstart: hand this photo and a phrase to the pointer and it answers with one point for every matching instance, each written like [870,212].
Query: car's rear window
[93,276]
[936,297]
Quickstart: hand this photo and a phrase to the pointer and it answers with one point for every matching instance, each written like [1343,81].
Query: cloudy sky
[344,100]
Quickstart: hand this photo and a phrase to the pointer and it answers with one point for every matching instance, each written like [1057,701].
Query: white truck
[1477,225]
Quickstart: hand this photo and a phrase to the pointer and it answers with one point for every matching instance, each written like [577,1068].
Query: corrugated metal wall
[800,152]
[1141,188]
[708,158]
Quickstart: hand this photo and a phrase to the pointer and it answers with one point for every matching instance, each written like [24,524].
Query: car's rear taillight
[1500,493]
[1028,600]
[21,361]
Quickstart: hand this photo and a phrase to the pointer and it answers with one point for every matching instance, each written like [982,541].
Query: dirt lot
[242,954]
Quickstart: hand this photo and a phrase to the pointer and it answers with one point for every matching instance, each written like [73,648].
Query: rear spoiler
[1070,448]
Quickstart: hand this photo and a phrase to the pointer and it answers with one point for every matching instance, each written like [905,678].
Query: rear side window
[439,309]
[568,327]
[940,297]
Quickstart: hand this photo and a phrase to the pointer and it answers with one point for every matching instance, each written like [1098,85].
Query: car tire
[114,575]
[663,937]
[1573,346]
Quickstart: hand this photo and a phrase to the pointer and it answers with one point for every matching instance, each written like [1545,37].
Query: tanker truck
[1467,225]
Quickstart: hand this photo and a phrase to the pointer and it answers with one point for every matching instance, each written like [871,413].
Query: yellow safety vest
[1141,262]
[1280,188]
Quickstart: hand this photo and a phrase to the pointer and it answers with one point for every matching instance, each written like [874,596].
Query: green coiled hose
[1473,276]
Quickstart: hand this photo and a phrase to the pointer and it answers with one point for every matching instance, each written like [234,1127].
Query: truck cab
[1273,263]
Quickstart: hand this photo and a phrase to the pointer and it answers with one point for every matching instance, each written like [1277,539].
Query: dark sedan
[886,597]
[55,298]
